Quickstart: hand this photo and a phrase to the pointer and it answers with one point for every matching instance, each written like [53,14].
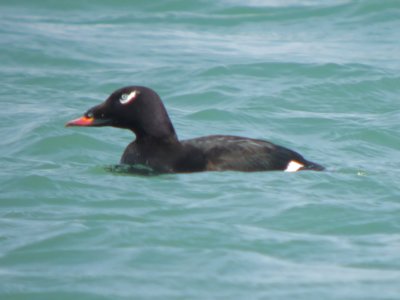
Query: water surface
[320,77]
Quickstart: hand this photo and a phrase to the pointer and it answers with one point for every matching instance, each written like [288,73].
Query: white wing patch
[127,98]
[293,166]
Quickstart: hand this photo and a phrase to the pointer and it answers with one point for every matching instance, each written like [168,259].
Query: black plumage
[141,110]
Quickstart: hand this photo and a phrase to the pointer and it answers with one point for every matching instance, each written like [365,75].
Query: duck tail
[312,166]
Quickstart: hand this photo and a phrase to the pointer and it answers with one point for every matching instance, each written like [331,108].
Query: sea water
[319,77]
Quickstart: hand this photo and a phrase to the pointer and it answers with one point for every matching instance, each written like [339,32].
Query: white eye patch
[127,98]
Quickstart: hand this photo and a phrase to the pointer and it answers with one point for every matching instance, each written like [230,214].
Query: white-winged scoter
[156,146]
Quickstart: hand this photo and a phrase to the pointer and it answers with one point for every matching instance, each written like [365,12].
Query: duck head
[137,108]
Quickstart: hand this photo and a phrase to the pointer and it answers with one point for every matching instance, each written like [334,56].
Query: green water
[320,77]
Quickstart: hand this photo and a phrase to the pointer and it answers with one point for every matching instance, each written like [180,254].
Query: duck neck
[157,138]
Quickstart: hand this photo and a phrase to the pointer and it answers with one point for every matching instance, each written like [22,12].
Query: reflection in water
[138,169]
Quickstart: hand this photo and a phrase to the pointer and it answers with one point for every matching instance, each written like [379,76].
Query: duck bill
[83,121]
[87,121]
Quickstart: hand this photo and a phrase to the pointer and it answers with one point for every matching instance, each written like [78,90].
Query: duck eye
[127,98]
